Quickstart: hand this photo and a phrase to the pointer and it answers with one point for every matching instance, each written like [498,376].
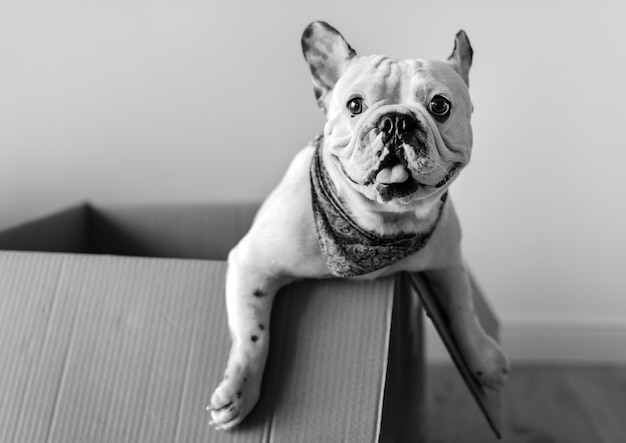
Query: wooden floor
[541,404]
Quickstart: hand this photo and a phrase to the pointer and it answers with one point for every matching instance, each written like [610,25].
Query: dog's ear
[461,57]
[328,55]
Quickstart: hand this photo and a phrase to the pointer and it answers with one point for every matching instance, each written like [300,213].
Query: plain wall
[167,101]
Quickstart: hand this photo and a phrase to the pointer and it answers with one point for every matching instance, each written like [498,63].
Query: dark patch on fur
[306,36]
[239,393]
[261,326]
[254,338]
[259,293]
[318,92]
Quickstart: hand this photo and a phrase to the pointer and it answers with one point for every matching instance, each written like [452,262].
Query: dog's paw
[491,367]
[232,401]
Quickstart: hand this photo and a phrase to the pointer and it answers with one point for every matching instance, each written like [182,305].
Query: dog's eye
[439,106]
[355,106]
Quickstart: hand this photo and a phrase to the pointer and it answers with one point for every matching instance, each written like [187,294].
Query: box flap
[488,400]
[118,349]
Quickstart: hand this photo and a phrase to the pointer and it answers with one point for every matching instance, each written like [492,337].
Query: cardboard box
[107,348]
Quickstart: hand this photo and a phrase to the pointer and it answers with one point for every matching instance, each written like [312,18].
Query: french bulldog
[366,199]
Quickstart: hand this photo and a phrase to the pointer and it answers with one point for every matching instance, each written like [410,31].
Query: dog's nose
[396,125]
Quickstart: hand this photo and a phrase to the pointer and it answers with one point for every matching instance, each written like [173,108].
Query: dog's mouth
[397,190]
[444,181]
[394,180]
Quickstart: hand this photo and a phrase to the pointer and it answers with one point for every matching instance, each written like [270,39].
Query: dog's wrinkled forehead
[376,77]
[387,80]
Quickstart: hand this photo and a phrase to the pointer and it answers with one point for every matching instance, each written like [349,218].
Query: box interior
[194,231]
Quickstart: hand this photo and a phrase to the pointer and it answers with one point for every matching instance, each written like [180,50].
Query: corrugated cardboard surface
[117,349]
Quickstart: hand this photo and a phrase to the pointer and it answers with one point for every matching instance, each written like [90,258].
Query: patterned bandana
[348,249]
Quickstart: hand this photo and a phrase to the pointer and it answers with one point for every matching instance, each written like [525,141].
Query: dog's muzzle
[396,126]
[392,176]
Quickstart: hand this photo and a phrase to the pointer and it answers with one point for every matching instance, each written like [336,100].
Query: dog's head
[398,131]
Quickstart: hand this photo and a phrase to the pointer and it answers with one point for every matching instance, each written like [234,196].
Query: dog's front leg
[452,288]
[250,292]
